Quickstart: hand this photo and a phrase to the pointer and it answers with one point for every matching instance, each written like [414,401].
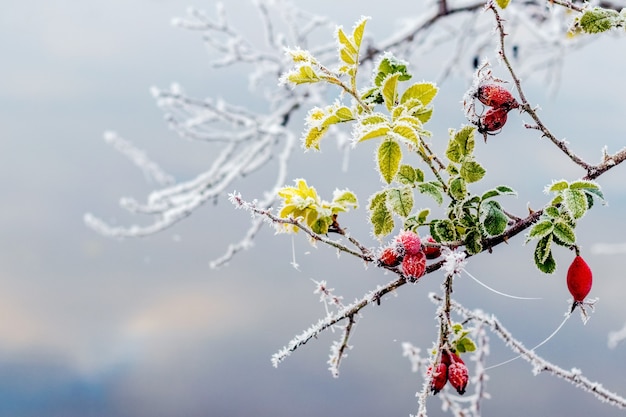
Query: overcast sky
[91,326]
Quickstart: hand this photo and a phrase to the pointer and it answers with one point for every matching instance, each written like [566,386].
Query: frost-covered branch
[538,363]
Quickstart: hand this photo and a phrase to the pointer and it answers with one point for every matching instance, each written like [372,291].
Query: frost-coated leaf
[443,230]
[552,211]
[423,114]
[389,157]
[432,190]
[472,171]
[400,201]
[599,20]
[301,75]
[473,242]
[558,186]
[461,144]
[407,133]
[373,132]
[492,217]
[465,344]
[413,222]
[544,249]
[540,230]
[499,190]
[543,255]
[345,199]
[389,90]
[357,32]
[380,217]
[575,202]
[344,114]
[321,225]
[389,64]
[345,42]
[312,138]
[406,174]
[564,233]
[424,92]
[458,190]
[503,3]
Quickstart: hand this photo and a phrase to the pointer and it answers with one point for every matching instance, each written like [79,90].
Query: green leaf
[432,190]
[458,190]
[465,344]
[564,233]
[413,222]
[543,250]
[419,175]
[424,92]
[391,65]
[380,217]
[406,174]
[503,3]
[321,225]
[499,190]
[552,211]
[443,230]
[558,186]
[389,157]
[543,255]
[599,20]
[473,242]
[575,203]
[540,230]
[400,201]
[492,217]
[389,89]
[472,171]
[461,144]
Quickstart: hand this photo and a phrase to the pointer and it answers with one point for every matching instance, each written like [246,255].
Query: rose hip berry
[431,251]
[439,378]
[414,265]
[410,241]
[579,279]
[389,257]
[492,120]
[493,95]
[458,376]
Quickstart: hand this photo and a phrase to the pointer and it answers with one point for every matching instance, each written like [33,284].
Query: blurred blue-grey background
[91,326]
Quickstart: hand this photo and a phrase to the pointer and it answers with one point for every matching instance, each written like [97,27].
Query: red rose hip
[493,120]
[494,95]
[579,279]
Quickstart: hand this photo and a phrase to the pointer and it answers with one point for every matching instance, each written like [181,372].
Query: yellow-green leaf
[313,137]
[389,90]
[424,92]
[380,217]
[357,33]
[374,133]
[503,3]
[407,133]
[389,157]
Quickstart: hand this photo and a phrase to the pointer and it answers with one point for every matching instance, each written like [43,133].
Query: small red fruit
[579,279]
[458,376]
[389,257]
[492,120]
[431,251]
[494,95]
[410,241]
[414,265]
[439,378]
